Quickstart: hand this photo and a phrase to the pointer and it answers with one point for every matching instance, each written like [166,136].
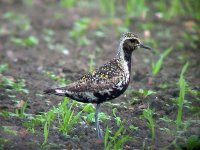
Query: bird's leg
[98,129]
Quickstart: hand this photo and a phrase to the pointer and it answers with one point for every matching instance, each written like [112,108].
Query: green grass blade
[182,86]
[184,69]
[106,137]
[156,66]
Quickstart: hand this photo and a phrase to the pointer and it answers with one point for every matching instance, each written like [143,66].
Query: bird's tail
[56,91]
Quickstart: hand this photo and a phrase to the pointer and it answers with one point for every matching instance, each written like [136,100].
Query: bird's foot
[99,141]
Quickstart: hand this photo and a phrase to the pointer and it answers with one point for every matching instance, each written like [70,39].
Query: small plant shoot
[156,66]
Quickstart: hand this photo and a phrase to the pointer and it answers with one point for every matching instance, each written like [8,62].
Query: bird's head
[130,42]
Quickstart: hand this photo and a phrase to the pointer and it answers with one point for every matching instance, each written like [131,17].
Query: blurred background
[48,43]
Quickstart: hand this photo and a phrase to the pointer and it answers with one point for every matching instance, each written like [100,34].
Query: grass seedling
[19,86]
[34,120]
[148,115]
[3,142]
[46,132]
[107,7]
[67,3]
[121,29]
[20,108]
[192,8]
[3,67]
[182,87]
[90,117]
[134,8]
[79,29]
[48,35]
[128,12]
[140,94]
[175,8]
[89,108]
[29,125]
[103,6]
[192,142]
[117,119]
[9,130]
[49,118]
[67,118]
[62,81]
[191,39]
[117,140]
[179,8]
[91,62]
[133,128]
[156,66]
[29,41]
[144,93]
[10,83]
[20,20]
[28,2]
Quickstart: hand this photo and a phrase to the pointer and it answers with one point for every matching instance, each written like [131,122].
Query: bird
[107,82]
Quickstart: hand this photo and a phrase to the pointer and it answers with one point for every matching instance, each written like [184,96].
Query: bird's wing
[92,86]
[103,78]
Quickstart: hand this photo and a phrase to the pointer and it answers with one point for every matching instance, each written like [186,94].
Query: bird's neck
[125,58]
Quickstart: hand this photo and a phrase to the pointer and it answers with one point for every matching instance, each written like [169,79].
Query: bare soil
[28,62]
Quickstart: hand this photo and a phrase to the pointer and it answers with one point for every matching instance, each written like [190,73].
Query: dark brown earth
[28,63]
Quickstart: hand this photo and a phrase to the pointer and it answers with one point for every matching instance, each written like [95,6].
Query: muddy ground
[29,62]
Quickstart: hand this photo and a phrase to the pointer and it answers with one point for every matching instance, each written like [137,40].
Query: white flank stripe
[60,91]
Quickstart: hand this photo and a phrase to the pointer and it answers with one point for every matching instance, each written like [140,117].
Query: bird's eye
[134,41]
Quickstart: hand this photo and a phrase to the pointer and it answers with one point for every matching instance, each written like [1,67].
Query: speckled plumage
[108,81]
[105,83]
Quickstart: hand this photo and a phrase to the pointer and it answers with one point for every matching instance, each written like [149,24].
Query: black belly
[116,92]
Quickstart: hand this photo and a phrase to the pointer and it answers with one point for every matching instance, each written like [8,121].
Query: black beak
[144,46]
